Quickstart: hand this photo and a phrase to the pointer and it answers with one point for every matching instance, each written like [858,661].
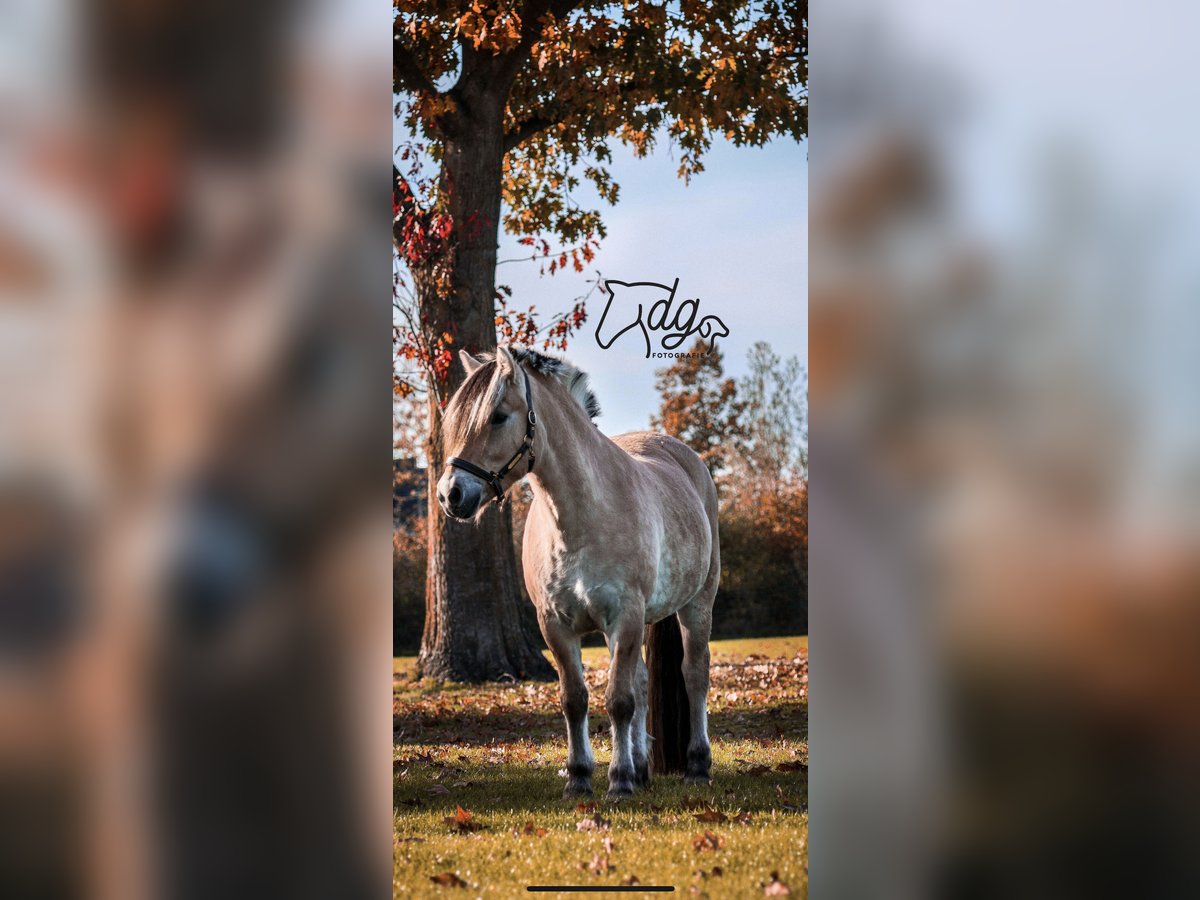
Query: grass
[495,751]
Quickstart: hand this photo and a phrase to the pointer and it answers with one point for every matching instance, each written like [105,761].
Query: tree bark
[477,624]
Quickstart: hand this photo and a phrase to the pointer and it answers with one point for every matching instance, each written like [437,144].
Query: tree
[515,104]
[773,439]
[753,432]
[699,404]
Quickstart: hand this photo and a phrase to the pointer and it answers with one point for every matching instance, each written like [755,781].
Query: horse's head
[488,431]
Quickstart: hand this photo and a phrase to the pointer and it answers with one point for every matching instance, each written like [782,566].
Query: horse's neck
[579,471]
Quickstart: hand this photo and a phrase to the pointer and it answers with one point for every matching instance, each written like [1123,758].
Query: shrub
[764,564]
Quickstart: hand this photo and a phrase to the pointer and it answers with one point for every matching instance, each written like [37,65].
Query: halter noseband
[493,478]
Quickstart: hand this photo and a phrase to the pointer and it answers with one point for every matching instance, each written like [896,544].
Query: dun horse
[622,535]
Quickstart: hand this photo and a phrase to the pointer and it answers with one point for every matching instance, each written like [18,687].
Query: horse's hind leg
[573,694]
[695,622]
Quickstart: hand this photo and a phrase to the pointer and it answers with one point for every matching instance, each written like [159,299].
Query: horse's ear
[507,366]
[469,362]
[505,363]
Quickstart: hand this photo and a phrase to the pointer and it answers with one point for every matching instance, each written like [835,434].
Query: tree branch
[407,71]
[560,8]
[537,124]
[402,195]
[531,29]
[528,129]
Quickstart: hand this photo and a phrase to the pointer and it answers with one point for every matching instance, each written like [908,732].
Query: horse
[621,538]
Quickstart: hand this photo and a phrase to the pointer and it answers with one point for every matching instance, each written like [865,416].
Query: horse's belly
[680,578]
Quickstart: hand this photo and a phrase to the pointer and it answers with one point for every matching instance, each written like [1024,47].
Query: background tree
[764,517]
[699,404]
[772,442]
[753,433]
[514,105]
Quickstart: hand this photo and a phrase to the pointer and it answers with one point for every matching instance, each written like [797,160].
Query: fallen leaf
[775,887]
[757,770]
[437,790]
[462,820]
[599,864]
[742,818]
[585,807]
[594,822]
[447,879]
[631,881]
[530,828]
[794,766]
[708,841]
[711,815]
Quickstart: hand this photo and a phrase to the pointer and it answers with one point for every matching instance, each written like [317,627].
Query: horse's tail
[668,721]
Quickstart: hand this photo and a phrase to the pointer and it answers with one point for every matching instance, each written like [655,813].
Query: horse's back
[652,446]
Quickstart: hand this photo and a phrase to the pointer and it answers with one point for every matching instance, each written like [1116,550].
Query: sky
[736,238]
[1042,107]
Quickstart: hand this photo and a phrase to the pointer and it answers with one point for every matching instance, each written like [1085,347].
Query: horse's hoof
[576,789]
[619,792]
[642,775]
[697,778]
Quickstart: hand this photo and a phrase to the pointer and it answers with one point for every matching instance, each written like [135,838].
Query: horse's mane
[480,394]
[574,380]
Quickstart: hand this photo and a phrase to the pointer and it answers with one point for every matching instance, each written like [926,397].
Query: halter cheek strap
[526,448]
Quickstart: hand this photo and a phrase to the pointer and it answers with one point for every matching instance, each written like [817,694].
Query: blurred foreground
[194,465]
[1005,504]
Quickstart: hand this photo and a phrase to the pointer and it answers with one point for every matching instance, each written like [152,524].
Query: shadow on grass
[530,789]
[477,728]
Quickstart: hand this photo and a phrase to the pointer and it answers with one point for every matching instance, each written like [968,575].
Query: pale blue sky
[736,238]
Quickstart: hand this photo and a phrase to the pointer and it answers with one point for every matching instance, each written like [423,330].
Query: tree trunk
[476,621]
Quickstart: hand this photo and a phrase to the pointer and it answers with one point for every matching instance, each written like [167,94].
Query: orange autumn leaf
[447,879]
[462,820]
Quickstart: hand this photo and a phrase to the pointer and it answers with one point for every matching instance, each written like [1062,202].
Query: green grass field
[495,751]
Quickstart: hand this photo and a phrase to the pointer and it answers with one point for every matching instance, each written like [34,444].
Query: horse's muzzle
[459,494]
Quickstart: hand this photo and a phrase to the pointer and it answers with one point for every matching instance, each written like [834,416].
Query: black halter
[493,478]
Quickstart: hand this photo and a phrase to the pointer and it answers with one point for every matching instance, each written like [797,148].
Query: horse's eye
[499,418]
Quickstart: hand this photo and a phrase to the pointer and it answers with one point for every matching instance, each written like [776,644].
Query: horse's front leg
[625,646]
[641,740]
[573,695]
